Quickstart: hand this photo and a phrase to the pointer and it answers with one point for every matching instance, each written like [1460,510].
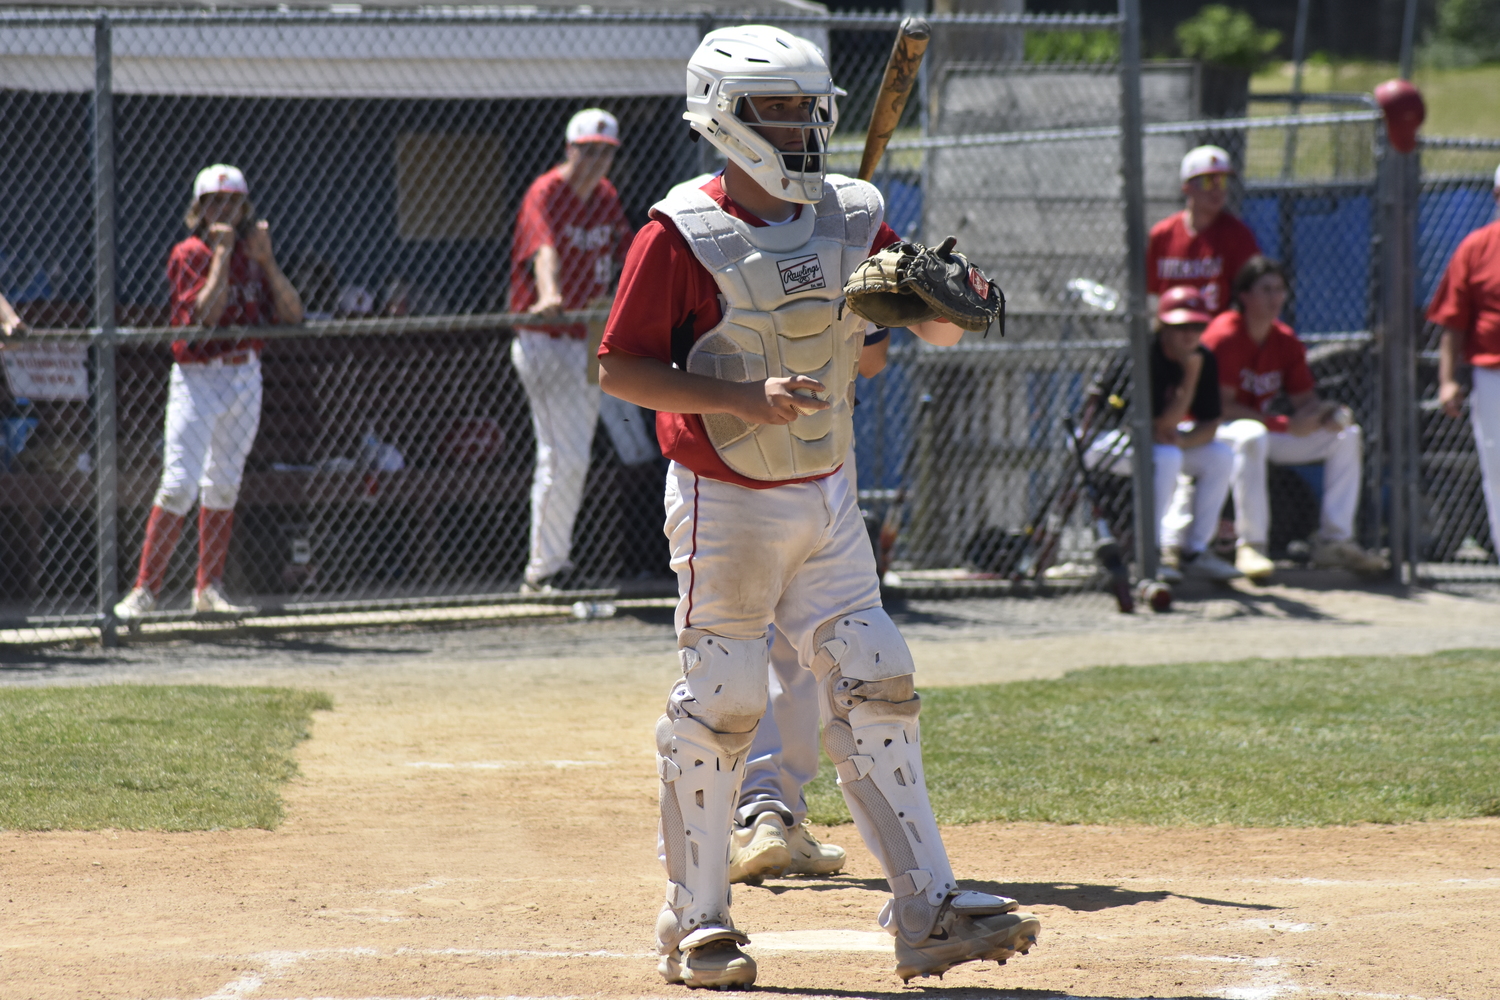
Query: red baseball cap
[1182,305]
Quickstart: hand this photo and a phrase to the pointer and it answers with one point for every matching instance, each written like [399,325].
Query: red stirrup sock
[214,527]
[163,528]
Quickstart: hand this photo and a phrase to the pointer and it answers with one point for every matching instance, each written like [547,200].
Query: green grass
[1460,102]
[149,757]
[1255,743]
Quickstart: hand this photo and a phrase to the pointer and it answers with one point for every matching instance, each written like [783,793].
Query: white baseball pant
[213,414]
[785,754]
[1341,453]
[1191,485]
[1484,416]
[797,555]
[564,411]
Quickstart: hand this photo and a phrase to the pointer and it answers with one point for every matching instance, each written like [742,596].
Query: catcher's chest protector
[782,291]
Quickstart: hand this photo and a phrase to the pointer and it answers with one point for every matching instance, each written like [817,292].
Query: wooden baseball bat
[895,88]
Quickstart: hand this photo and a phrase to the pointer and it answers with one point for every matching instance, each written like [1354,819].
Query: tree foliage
[1227,37]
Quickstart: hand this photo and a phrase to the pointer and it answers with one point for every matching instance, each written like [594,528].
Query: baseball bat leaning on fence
[1106,547]
[900,74]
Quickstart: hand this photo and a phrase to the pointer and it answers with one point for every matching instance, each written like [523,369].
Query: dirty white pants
[1484,415]
[1341,453]
[1191,485]
[213,414]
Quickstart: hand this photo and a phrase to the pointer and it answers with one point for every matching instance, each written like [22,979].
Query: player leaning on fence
[1203,245]
[223,274]
[1260,359]
[1467,306]
[571,234]
[730,296]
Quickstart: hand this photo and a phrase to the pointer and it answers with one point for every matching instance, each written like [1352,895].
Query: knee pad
[176,499]
[220,496]
[724,681]
[865,645]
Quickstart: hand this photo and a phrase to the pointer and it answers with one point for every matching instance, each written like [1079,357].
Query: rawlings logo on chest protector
[801,274]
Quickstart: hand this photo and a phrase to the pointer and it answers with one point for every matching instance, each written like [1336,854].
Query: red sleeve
[655,296]
[1298,377]
[1452,305]
[533,222]
[884,237]
[1153,254]
[1241,248]
[187,270]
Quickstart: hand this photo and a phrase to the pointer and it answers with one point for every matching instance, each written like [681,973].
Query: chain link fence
[1454,537]
[392,457]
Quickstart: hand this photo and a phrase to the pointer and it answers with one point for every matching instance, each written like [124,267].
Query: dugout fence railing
[393,462]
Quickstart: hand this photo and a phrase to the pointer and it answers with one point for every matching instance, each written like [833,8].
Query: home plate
[821,941]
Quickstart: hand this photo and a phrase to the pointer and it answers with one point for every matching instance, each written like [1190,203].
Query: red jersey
[665,291]
[590,238]
[1468,298]
[249,298]
[1257,374]
[1209,260]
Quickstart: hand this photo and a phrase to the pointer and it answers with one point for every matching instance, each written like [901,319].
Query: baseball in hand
[810,395]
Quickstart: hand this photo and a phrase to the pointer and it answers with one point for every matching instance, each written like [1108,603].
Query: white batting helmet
[734,64]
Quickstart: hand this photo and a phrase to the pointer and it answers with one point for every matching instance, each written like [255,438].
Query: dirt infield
[449,838]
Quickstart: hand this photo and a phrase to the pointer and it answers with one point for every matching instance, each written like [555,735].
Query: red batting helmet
[1182,305]
[1404,113]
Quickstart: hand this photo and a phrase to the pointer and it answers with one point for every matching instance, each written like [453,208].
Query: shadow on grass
[1079,897]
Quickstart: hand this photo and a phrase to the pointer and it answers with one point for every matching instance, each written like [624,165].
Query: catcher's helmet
[735,64]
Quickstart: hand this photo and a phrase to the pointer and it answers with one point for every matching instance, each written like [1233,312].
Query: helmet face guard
[764,99]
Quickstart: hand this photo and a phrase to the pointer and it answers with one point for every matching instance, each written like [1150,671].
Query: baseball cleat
[1170,568]
[136,604]
[709,958]
[1345,554]
[1207,566]
[1251,560]
[760,850]
[211,600]
[811,857]
[958,937]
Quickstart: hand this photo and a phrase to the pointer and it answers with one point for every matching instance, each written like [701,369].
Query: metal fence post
[106,484]
[1132,169]
[1398,184]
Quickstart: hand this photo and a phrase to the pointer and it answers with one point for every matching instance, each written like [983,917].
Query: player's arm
[1202,433]
[213,294]
[544,268]
[1179,402]
[1233,408]
[656,385]
[284,297]
[10,320]
[1450,354]
[872,356]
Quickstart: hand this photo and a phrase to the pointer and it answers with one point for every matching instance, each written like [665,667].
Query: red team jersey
[249,304]
[1259,373]
[590,238]
[664,289]
[1468,298]
[1209,260]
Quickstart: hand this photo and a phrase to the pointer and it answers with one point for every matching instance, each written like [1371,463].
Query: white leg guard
[702,744]
[871,735]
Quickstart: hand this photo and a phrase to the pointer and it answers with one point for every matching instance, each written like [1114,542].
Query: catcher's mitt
[909,283]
